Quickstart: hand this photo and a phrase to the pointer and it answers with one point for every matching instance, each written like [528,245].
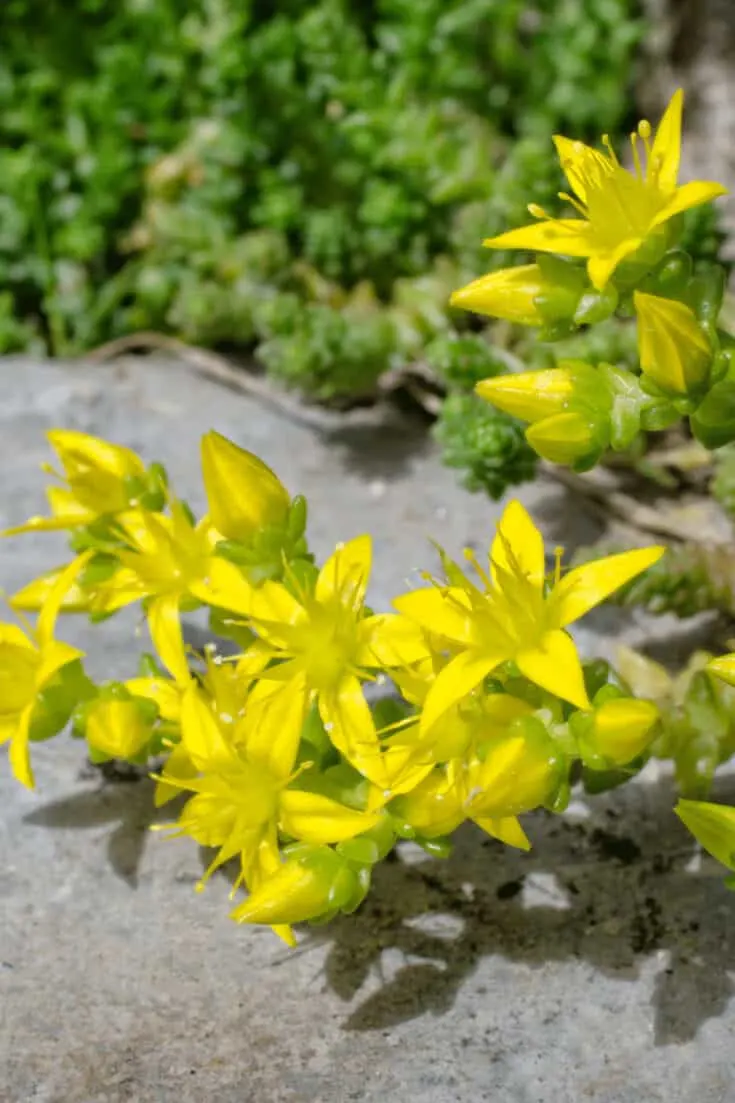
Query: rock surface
[596,968]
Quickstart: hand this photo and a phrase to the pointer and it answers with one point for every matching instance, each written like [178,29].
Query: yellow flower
[243,493]
[713,826]
[95,473]
[325,643]
[160,555]
[620,210]
[516,774]
[673,350]
[226,684]
[243,795]
[27,665]
[510,615]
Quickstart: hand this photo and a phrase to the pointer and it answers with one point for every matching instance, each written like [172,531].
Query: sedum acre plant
[283,760]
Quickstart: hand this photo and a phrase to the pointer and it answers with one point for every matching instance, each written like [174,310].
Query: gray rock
[595,968]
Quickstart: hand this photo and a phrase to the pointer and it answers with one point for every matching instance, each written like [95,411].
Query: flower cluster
[291,767]
[620,254]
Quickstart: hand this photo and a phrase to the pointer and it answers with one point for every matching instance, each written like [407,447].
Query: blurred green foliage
[309,179]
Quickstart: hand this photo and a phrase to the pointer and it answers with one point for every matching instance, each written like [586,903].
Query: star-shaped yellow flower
[620,210]
[513,614]
[27,665]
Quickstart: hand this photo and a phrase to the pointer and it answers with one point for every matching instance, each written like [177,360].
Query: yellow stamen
[558,553]
[471,558]
[578,206]
[537,212]
[609,147]
[636,155]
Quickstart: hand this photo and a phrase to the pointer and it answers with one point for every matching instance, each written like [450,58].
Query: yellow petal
[582,164]
[463,674]
[13,636]
[505,828]
[346,573]
[687,196]
[518,546]
[164,624]
[586,586]
[554,666]
[224,586]
[32,597]
[389,640]
[19,755]
[201,735]
[313,818]
[76,449]
[47,617]
[271,605]
[53,656]
[243,494]
[570,237]
[663,166]
[601,265]
[274,717]
[440,611]
[713,826]
[349,724]
[66,512]
[177,765]
[723,667]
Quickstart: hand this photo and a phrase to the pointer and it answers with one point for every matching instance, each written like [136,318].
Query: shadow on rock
[381,450]
[127,808]
[600,891]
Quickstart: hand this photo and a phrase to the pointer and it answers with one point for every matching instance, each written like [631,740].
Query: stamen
[610,151]
[471,558]
[537,212]
[558,553]
[644,129]
[636,156]
[576,203]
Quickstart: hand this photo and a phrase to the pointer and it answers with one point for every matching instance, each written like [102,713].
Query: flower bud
[621,730]
[674,352]
[567,438]
[96,470]
[522,295]
[530,395]
[518,773]
[117,728]
[243,494]
[306,886]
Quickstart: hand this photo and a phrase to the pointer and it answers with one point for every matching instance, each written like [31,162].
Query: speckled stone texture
[594,969]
